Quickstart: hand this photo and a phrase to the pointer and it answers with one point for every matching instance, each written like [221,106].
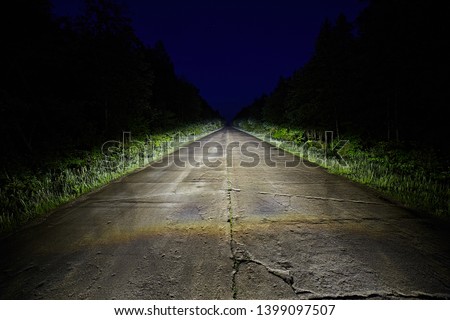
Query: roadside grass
[416,177]
[26,194]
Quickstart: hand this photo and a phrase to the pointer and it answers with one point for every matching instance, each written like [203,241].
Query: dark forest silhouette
[70,83]
[383,77]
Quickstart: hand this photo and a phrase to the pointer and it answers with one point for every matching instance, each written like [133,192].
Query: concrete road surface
[229,224]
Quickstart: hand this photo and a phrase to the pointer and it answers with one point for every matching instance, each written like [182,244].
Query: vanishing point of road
[229,227]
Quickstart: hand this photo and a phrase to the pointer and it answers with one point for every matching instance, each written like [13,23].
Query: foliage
[413,175]
[381,77]
[27,194]
[380,83]
[70,83]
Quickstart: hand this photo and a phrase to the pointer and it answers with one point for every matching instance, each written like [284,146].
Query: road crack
[241,256]
[382,295]
[244,257]
[324,198]
[236,263]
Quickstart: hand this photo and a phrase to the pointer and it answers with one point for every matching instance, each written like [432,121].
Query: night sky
[233,51]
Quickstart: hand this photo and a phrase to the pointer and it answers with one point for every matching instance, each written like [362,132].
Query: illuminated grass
[26,195]
[415,178]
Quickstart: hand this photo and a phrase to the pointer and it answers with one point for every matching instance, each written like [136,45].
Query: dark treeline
[383,77]
[71,82]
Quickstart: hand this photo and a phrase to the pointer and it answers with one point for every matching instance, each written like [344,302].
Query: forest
[68,84]
[384,76]
[72,83]
[380,82]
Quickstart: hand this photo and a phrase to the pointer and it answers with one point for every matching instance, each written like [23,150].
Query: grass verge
[415,176]
[28,193]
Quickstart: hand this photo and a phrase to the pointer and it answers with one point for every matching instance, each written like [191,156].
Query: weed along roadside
[416,178]
[27,194]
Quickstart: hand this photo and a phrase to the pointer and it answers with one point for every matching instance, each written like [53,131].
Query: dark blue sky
[233,51]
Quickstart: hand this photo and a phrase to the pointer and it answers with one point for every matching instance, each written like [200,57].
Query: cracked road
[228,232]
